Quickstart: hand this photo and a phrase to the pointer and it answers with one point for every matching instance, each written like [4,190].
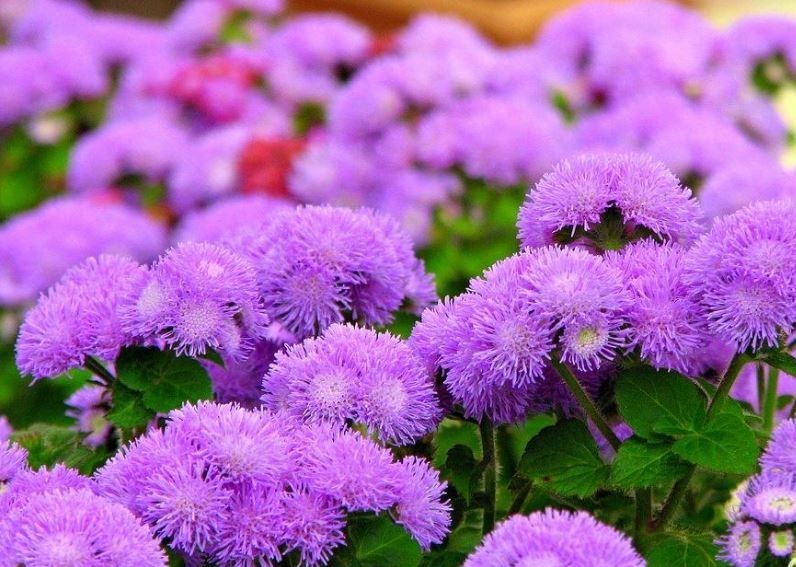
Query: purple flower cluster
[555,538]
[352,374]
[53,517]
[763,519]
[240,487]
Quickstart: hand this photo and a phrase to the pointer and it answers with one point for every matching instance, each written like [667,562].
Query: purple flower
[77,318]
[351,374]
[240,381]
[198,296]
[145,147]
[75,527]
[580,197]
[780,544]
[741,274]
[780,455]
[13,460]
[313,524]
[759,40]
[666,324]
[770,498]
[88,406]
[737,185]
[28,483]
[223,218]
[555,538]
[5,429]
[420,508]
[741,545]
[37,247]
[322,265]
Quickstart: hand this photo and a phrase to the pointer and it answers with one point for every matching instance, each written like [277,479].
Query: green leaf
[460,471]
[51,444]
[166,380]
[452,432]
[681,550]
[128,411]
[783,361]
[725,444]
[639,464]
[379,542]
[565,458]
[654,401]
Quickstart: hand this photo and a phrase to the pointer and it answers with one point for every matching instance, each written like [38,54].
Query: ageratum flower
[742,275]
[13,460]
[76,527]
[420,508]
[780,543]
[27,483]
[5,429]
[77,318]
[666,324]
[608,199]
[555,538]
[240,381]
[37,247]
[351,374]
[322,265]
[741,545]
[780,453]
[313,525]
[770,498]
[88,407]
[198,296]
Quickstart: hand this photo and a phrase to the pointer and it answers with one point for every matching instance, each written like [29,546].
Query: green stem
[680,487]
[770,404]
[489,465]
[591,410]
[643,511]
[761,385]
[97,368]
[519,500]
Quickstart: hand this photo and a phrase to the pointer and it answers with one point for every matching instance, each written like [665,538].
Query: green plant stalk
[519,500]
[643,511]
[489,466]
[98,369]
[591,410]
[770,403]
[761,384]
[680,487]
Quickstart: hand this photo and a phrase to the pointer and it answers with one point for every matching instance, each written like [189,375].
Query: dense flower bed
[291,293]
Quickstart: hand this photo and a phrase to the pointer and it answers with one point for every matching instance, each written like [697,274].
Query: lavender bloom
[5,429]
[75,527]
[13,460]
[240,381]
[222,219]
[740,274]
[578,198]
[77,318]
[321,265]
[737,185]
[198,296]
[741,545]
[770,498]
[313,524]
[351,374]
[420,508]
[780,544]
[145,147]
[666,323]
[37,247]
[764,43]
[779,455]
[555,538]
[28,483]
[88,406]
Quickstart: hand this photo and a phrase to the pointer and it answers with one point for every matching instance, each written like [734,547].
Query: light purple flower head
[88,407]
[240,381]
[322,265]
[554,538]
[742,274]
[313,525]
[352,374]
[420,508]
[144,147]
[609,200]
[666,323]
[198,296]
[739,184]
[770,498]
[780,454]
[780,543]
[13,460]
[76,527]
[225,217]
[757,41]
[741,545]
[6,429]
[37,247]
[77,317]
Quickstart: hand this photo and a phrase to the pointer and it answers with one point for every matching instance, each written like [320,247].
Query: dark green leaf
[654,401]
[639,464]
[460,471]
[51,444]
[128,411]
[783,361]
[725,444]
[681,550]
[452,432]
[379,542]
[565,458]
[166,380]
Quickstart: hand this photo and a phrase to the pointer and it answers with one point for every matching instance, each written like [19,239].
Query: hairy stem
[98,369]
[588,406]
[489,466]
[770,402]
